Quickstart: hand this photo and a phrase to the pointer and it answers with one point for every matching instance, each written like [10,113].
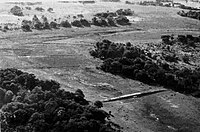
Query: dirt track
[63,55]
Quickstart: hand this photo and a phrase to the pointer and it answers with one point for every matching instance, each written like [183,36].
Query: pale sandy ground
[63,55]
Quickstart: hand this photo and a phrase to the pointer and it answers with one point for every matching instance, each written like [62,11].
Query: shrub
[16,10]
[26,28]
[54,25]
[50,9]
[122,20]
[76,23]
[65,24]
[39,9]
[85,23]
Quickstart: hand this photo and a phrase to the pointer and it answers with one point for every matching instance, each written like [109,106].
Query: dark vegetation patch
[39,9]
[85,23]
[28,8]
[32,105]
[112,19]
[125,12]
[50,9]
[65,24]
[148,3]
[128,2]
[188,7]
[77,23]
[54,25]
[17,11]
[155,64]
[87,2]
[190,14]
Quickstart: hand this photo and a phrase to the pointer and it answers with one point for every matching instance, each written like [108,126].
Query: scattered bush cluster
[100,19]
[147,3]
[164,4]
[112,18]
[106,14]
[45,24]
[125,12]
[81,23]
[187,7]
[187,40]
[32,105]
[128,2]
[190,14]
[140,64]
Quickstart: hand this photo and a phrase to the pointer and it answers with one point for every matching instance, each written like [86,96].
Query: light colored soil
[63,55]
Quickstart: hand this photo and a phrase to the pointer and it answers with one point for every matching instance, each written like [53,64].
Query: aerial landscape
[99,66]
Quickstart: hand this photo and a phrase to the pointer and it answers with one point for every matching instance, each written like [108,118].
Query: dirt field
[63,55]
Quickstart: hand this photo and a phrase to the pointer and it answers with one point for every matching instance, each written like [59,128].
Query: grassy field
[63,55]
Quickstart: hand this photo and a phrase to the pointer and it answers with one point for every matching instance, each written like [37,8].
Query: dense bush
[26,28]
[27,25]
[50,9]
[147,3]
[112,18]
[122,20]
[106,14]
[36,23]
[125,12]
[188,7]
[139,64]
[65,24]
[39,9]
[190,14]
[16,10]
[111,21]
[45,22]
[76,23]
[128,2]
[54,25]
[85,23]
[32,105]
[28,8]
[99,22]
[187,40]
